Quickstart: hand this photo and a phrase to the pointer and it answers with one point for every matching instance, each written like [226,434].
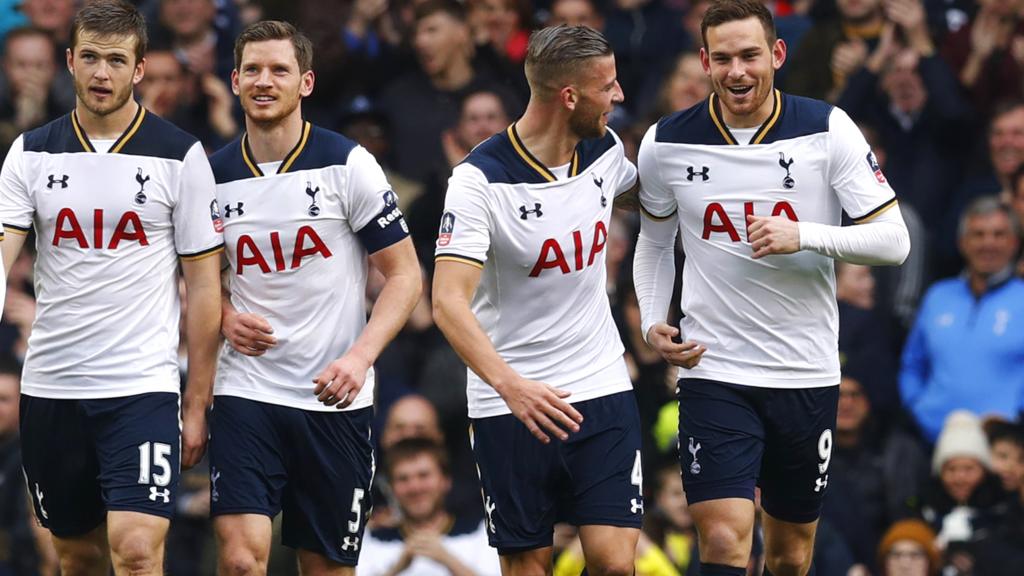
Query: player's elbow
[901,249]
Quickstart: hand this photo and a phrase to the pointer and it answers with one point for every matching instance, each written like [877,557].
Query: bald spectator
[967,347]
[29,71]
[411,416]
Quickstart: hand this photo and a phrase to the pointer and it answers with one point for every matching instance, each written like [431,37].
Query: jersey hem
[359,403]
[48,392]
[824,381]
[576,398]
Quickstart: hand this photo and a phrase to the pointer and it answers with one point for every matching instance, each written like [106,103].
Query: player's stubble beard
[288,104]
[585,121]
[118,98]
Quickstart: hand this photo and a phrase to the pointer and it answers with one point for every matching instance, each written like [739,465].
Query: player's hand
[341,381]
[683,354]
[772,235]
[193,435]
[247,333]
[542,408]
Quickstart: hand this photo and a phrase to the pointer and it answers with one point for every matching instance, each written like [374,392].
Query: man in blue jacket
[966,349]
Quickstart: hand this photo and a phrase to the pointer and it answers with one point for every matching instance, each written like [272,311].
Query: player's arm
[539,406]
[202,324]
[246,332]
[11,247]
[879,236]
[654,271]
[340,382]
[16,206]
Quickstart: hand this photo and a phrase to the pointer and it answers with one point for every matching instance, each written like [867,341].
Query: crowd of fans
[928,455]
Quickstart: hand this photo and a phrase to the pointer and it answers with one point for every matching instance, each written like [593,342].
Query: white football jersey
[110,228]
[540,241]
[297,242]
[771,322]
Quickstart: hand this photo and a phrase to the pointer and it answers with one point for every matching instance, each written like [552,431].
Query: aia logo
[716,219]
[552,255]
[307,243]
[69,229]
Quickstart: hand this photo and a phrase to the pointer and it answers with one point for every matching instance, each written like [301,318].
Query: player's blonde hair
[556,54]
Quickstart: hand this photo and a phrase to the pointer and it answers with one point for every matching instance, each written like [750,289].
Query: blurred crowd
[928,453]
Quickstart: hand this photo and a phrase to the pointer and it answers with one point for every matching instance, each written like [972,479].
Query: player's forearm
[455,319]
[390,313]
[654,270]
[883,241]
[202,322]
[10,247]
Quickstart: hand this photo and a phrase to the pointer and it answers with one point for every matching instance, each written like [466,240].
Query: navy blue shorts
[593,478]
[315,467]
[733,438]
[83,458]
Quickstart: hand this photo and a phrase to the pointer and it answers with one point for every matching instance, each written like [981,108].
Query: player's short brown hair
[410,448]
[723,11]
[265,30]
[111,18]
[555,55]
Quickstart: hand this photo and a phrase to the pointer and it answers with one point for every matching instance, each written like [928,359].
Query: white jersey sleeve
[370,205]
[854,173]
[625,170]
[16,204]
[656,199]
[466,222]
[195,216]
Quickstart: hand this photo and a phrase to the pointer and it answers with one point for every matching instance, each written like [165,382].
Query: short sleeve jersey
[297,244]
[541,242]
[771,322]
[110,229]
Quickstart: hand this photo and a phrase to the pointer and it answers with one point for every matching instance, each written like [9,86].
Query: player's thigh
[247,458]
[520,479]
[789,546]
[84,555]
[605,486]
[534,562]
[61,467]
[327,499]
[243,543]
[609,550]
[314,564]
[721,440]
[798,452]
[136,540]
[138,446]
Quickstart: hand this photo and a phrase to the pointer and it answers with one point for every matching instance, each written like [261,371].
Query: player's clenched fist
[193,435]
[772,235]
[341,381]
[247,333]
[685,355]
[541,408]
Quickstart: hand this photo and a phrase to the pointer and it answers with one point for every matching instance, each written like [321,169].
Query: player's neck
[109,126]
[547,137]
[752,120]
[272,142]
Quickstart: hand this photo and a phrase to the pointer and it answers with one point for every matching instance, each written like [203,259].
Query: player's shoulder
[702,124]
[157,138]
[503,159]
[317,148]
[55,137]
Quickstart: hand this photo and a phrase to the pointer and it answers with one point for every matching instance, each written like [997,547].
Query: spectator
[964,502]
[505,25]
[986,55]
[646,36]
[188,26]
[201,105]
[685,85]
[908,549]
[429,540]
[576,13]
[832,51]
[669,525]
[54,17]
[1007,442]
[967,346]
[411,416]
[884,467]
[910,96]
[29,71]
[865,339]
[422,104]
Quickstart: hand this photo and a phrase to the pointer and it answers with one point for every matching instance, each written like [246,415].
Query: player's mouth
[740,91]
[264,99]
[100,91]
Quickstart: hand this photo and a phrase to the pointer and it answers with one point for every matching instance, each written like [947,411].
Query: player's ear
[140,71]
[705,61]
[568,97]
[69,58]
[778,53]
[234,83]
[306,87]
